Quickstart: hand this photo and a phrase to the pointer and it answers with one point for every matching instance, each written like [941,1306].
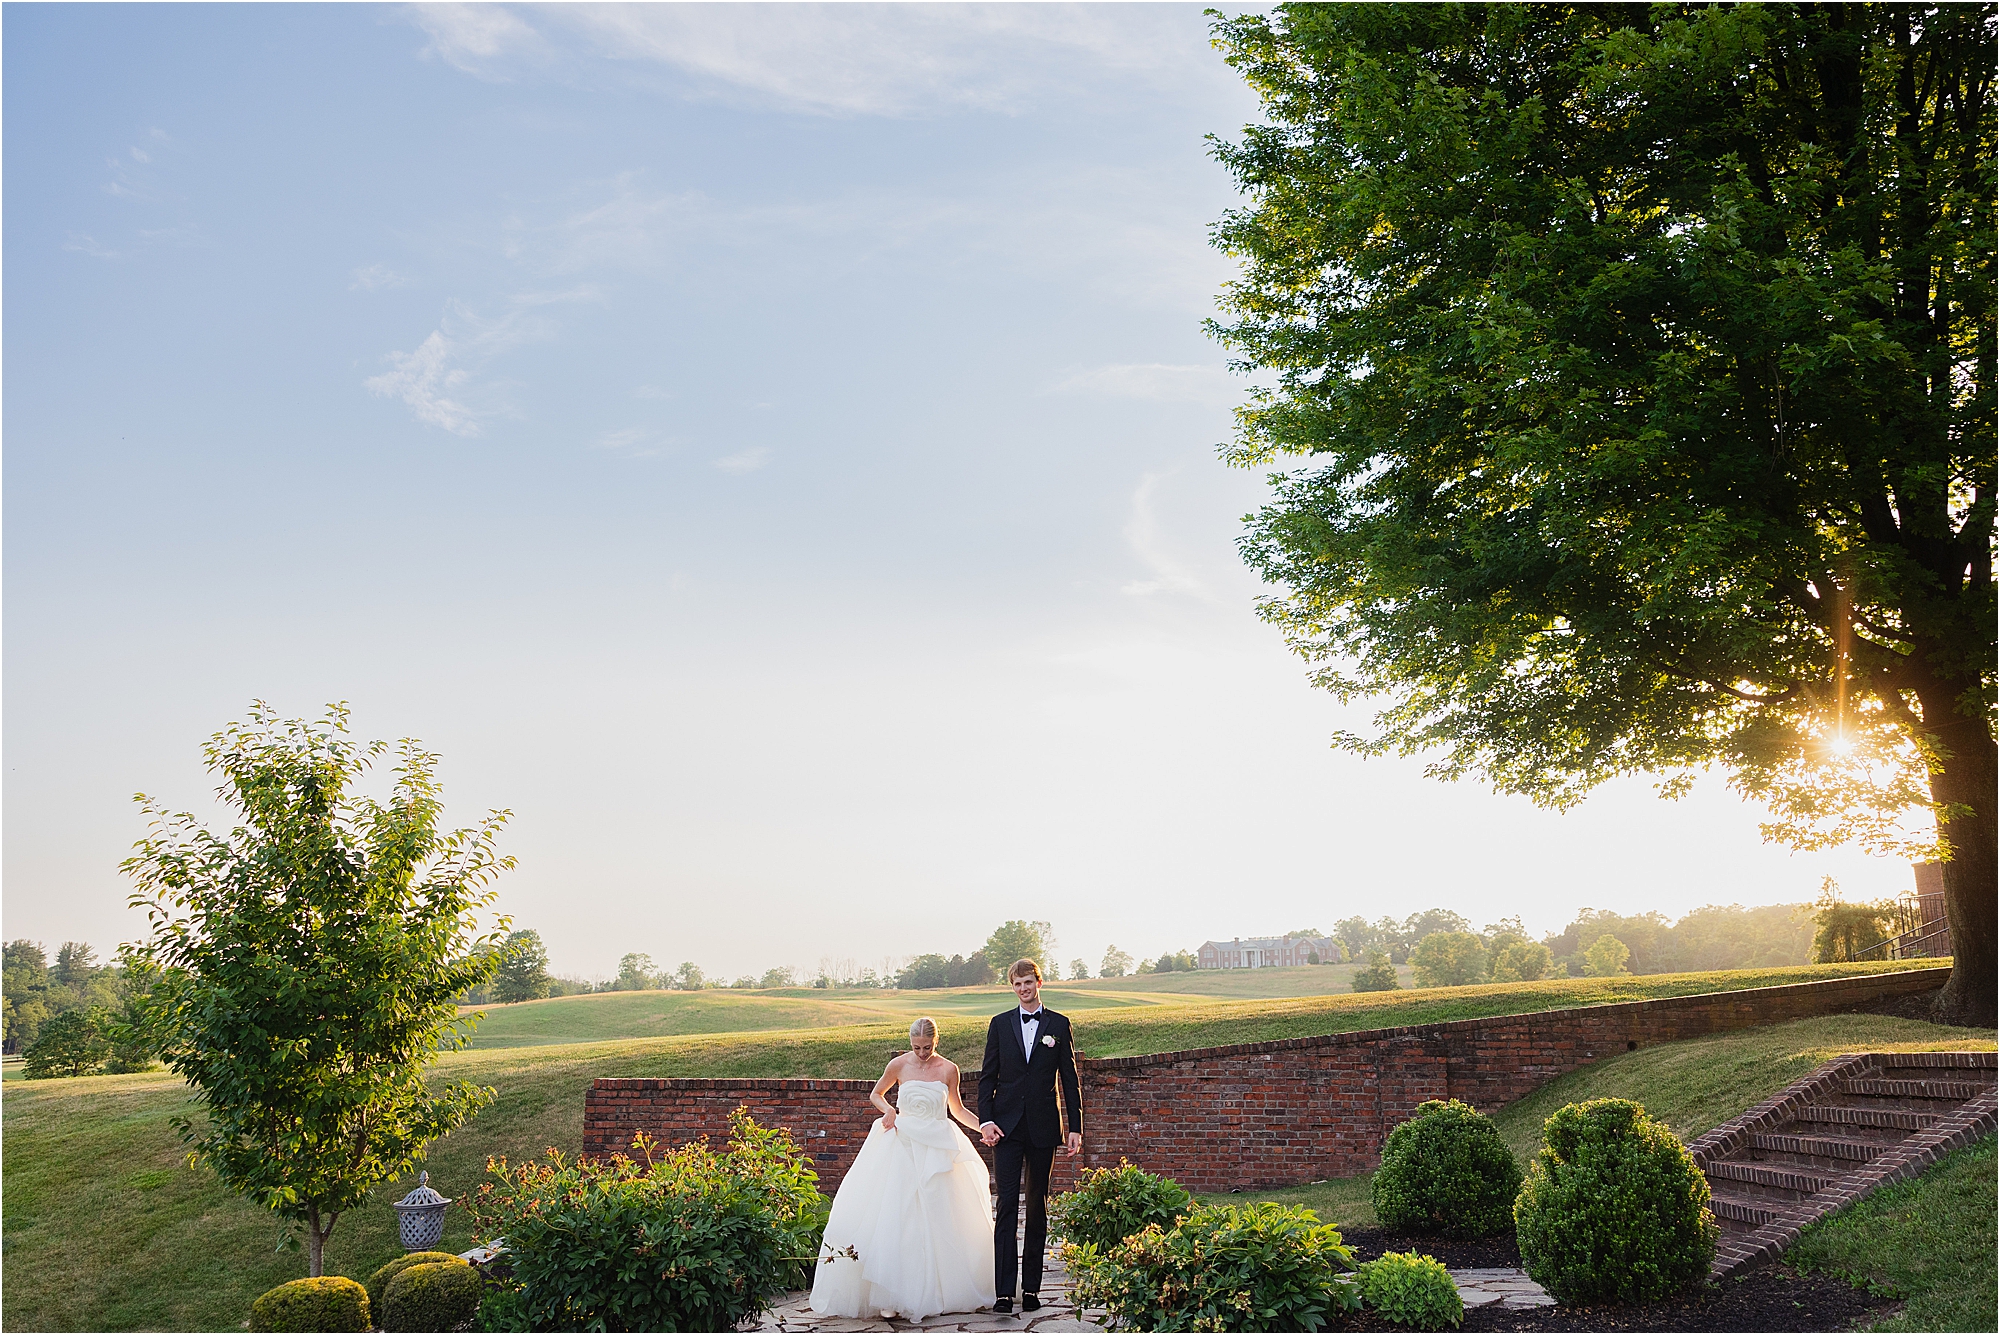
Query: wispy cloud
[84,244]
[1158,381]
[374,278]
[426,381]
[1145,539]
[745,461]
[833,59]
[438,383]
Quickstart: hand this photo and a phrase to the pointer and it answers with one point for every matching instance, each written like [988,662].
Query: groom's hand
[989,1134]
[1075,1145]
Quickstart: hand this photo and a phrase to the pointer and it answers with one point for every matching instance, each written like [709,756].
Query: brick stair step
[1896,1118]
[1958,1091]
[1818,1147]
[1762,1175]
[1743,1211]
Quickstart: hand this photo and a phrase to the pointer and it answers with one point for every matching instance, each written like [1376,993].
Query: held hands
[1074,1145]
[989,1134]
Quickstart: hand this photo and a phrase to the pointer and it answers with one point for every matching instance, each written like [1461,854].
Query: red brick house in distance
[1267,952]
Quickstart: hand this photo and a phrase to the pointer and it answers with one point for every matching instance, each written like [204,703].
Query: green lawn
[612,1015]
[1930,1240]
[106,1229]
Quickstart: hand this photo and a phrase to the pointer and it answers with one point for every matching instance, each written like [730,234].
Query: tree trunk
[316,1246]
[1967,780]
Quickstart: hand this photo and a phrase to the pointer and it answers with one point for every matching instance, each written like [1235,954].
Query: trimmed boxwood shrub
[379,1281]
[1411,1290]
[1111,1204]
[1446,1171]
[436,1295]
[1222,1267]
[328,1302]
[1614,1207]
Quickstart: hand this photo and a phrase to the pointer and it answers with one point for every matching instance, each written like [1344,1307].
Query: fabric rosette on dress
[917,1214]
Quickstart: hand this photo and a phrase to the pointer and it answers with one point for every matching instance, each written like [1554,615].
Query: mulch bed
[1768,1297]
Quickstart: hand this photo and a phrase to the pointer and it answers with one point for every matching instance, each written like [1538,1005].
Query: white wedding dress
[917,1212]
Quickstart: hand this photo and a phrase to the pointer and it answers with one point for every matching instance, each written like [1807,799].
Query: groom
[1027,1051]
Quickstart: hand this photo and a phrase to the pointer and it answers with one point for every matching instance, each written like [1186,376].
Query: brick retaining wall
[1256,1114]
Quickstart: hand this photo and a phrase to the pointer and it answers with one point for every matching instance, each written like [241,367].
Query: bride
[911,1233]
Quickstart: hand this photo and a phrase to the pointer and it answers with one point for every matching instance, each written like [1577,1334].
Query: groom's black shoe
[1003,1305]
[1031,1303]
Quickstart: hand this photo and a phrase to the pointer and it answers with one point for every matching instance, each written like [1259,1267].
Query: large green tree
[309,962]
[1632,375]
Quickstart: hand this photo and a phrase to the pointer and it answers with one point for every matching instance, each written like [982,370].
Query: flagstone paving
[1058,1313]
[1506,1287]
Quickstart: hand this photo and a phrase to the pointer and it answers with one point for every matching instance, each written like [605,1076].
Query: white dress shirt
[1029,1030]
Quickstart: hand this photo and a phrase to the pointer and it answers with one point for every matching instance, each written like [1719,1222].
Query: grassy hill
[612,1015]
[106,1229]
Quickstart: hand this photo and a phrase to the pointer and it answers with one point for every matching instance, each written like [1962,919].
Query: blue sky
[772,450]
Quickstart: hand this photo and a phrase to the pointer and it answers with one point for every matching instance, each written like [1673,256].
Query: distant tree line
[1440,947]
[75,1016]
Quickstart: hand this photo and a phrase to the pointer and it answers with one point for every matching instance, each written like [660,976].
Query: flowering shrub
[1613,1208]
[1410,1290]
[1222,1267]
[1111,1204]
[689,1239]
[1446,1171]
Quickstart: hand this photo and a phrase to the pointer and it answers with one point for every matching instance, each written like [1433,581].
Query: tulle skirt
[917,1212]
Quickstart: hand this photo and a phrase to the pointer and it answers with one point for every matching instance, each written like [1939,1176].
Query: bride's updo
[923,1027]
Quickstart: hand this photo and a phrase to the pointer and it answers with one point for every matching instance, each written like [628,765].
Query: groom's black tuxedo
[1017,1093]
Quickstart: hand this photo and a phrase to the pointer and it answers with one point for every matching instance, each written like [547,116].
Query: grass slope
[1930,1240]
[106,1229]
[604,1016]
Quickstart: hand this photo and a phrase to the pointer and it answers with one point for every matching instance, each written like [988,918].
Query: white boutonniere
[1048,1040]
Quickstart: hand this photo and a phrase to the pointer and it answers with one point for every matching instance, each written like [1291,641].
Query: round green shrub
[1411,1290]
[379,1281]
[1447,1171]
[1222,1267]
[1614,1207]
[1111,1204]
[330,1302]
[436,1295]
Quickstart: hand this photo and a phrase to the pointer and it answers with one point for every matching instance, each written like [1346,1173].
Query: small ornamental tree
[309,960]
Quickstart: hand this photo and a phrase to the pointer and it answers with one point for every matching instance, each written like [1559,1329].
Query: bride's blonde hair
[923,1027]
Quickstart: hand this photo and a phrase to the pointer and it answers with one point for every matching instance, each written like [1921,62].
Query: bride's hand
[889,1120]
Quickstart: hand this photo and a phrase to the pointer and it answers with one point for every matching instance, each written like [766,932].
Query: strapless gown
[917,1211]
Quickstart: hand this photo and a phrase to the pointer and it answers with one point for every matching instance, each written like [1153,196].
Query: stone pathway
[791,1313]
[1503,1286]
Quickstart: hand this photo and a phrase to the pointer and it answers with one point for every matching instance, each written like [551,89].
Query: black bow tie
[1030,1019]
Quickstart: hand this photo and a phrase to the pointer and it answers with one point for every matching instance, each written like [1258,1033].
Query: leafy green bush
[1447,1171]
[1111,1204]
[377,1282]
[1613,1208]
[433,1295]
[330,1302]
[688,1240]
[1410,1290]
[1222,1267]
